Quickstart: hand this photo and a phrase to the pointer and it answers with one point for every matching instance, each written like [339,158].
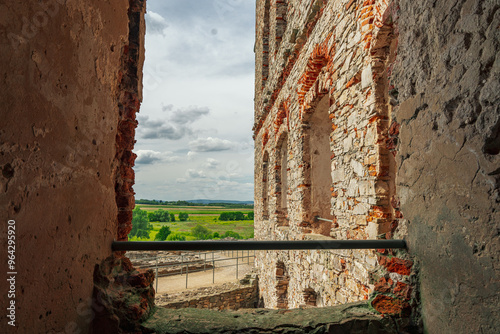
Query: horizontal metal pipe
[326,220]
[254,245]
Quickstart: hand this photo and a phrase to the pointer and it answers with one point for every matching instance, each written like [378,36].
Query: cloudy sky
[194,138]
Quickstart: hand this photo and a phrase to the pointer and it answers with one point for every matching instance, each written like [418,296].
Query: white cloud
[189,114]
[155,23]
[147,157]
[211,163]
[155,129]
[192,155]
[175,126]
[195,174]
[210,144]
[198,100]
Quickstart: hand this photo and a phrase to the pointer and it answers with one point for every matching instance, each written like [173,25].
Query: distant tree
[140,224]
[231,234]
[159,216]
[172,217]
[163,216]
[239,215]
[163,233]
[250,215]
[216,235]
[176,237]
[152,216]
[225,216]
[142,234]
[231,215]
[183,216]
[201,232]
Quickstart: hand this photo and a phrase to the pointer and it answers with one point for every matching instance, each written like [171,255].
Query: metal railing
[246,245]
[192,262]
[254,245]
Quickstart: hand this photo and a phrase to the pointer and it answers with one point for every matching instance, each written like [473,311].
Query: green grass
[205,216]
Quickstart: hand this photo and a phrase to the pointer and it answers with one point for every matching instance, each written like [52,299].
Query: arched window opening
[282,280]
[318,154]
[265,44]
[281,20]
[265,186]
[281,171]
[310,297]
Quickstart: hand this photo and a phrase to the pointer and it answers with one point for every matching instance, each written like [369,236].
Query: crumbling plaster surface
[60,66]
[448,175]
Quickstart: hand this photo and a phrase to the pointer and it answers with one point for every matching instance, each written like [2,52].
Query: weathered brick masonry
[324,143]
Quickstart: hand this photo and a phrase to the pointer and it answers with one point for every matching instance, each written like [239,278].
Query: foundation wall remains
[243,297]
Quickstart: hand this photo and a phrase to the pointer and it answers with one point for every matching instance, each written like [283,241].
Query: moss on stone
[348,318]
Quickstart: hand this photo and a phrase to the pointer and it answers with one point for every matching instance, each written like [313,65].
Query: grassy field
[206,210]
[206,216]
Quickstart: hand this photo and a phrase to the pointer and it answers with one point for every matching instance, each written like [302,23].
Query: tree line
[235,215]
[164,216]
[199,232]
[186,203]
[141,222]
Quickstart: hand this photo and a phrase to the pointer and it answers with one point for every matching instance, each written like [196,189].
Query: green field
[203,210]
[206,216]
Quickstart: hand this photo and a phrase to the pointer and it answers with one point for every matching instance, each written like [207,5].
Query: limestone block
[347,144]
[366,77]
[366,188]
[338,174]
[358,167]
[361,209]
[360,220]
[372,230]
[353,187]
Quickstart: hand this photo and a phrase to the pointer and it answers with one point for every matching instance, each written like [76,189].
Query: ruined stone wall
[245,297]
[62,64]
[332,67]
[448,78]
[413,92]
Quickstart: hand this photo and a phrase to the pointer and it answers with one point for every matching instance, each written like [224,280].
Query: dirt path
[177,283]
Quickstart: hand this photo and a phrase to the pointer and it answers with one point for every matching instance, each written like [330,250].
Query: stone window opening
[310,297]
[282,280]
[265,186]
[265,44]
[281,21]
[317,155]
[281,177]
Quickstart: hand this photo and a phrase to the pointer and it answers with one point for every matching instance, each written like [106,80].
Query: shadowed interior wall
[448,175]
[318,156]
[59,76]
